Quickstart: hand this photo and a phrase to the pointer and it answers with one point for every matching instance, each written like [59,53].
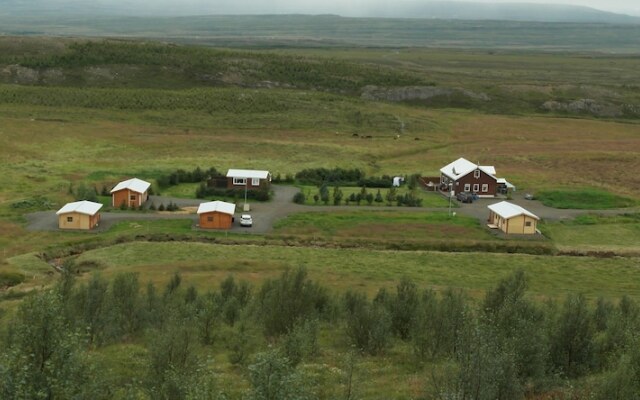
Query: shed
[133,193]
[248,178]
[79,215]
[512,219]
[216,215]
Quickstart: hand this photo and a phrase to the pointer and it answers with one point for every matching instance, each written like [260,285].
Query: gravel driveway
[266,214]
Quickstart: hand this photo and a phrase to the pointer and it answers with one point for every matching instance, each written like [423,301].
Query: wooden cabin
[216,215]
[133,193]
[79,215]
[249,178]
[512,219]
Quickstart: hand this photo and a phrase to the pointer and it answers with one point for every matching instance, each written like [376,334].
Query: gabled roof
[462,167]
[219,206]
[82,207]
[508,210]
[247,173]
[133,184]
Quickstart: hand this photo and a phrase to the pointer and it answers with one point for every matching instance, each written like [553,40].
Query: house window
[255,181]
[210,218]
[528,223]
[476,174]
[467,187]
[132,197]
[476,187]
[69,219]
[485,187]
[239,181]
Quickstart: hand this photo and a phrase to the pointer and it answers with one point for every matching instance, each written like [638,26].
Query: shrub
[299,198]
[288,300]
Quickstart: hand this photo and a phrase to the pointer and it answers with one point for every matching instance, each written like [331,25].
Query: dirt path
[265,215]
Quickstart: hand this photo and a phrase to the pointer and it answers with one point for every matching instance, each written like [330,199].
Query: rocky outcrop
[585,106]
[412,93]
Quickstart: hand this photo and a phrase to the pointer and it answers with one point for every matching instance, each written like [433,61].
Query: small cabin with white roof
[512,219]
[79,215]
[249,178]
[132,193]
[216,215]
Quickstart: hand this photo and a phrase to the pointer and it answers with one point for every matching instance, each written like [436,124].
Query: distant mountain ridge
[410,9]
[502,11]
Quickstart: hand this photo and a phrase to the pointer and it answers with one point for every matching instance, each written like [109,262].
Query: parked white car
[245,220]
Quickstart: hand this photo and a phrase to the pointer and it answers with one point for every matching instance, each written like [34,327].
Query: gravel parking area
[266,214]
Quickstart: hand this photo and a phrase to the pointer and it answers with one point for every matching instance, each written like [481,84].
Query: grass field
[389,225]
[205,265]
[596,233]
[52,137]
[585,199]
[94,117]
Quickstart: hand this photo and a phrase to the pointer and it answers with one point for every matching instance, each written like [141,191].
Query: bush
[205,191]
[299,198]
[288,300]
[182,176]
[336,176]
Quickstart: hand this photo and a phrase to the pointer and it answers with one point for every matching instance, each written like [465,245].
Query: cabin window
[132,197]
[239,181]
[210,218]
[467,187]
[476,187]
[69,219]
[528,223]
[255,181]
[476,174]
[485,187]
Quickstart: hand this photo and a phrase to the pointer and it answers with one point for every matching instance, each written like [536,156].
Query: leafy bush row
[505,345]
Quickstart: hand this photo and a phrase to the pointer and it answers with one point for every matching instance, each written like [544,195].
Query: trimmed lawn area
[182,190]
[391,224]
[592,232]
[429,199]
[584,199]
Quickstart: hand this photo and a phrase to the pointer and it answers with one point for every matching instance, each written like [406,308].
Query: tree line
[504,346]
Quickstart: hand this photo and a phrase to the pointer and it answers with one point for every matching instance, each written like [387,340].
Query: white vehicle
[245,220]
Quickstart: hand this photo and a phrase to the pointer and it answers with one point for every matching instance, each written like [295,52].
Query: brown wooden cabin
[133,193]
[216,215]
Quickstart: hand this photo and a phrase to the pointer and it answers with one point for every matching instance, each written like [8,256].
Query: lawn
[206,265]
[182,190]
[391,225]
[584,199]
[429,199]
[598,233]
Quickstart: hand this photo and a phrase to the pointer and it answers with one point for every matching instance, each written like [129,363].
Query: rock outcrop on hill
[412,93]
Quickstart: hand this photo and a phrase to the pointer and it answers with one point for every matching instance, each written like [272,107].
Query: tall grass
[584,199]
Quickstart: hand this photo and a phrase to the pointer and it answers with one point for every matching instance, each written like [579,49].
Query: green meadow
[92,113]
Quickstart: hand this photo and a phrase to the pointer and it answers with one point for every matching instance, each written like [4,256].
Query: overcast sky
[340,7]
[353,7]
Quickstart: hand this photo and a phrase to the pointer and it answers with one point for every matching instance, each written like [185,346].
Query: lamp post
[246,183]
[450,196]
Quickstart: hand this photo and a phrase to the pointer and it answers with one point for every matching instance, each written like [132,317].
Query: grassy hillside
[500,83]
[330,30]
